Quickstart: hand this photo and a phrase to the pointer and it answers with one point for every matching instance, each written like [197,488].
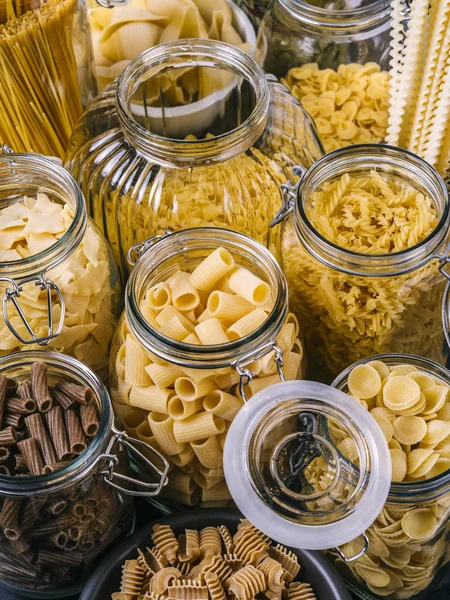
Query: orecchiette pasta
[212,576]
[350,105]
[185,412]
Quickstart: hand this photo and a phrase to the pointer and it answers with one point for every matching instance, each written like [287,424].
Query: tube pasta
[222,404]
[211,269]
[247,324]
[246,285]
[163,375]
[180,409]
[150,398]
[189,390]
[211,331]
[229,307]
[185,296]
[198,427]
[162,427]
[209,452]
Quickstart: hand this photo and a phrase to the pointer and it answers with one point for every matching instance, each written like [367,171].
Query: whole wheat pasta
[59,539]
[58,433]
[215,587]
[59,558]
[246,583]
[55,467]
[30,512]
[21,406]
[287,559]
[165,541]
[62,399]
[3,390]
[210,542]
[250,547]
[57,506]
[301,591]
[273,572]
[13,420]
[191,546]
[37,430]
[7,437]
[4,470]
[41,392]
[25,389]
[20,546]
[80,393]
[77,439]
[9,518]
[29,449]
[227,538]
[5,454]
[89,419]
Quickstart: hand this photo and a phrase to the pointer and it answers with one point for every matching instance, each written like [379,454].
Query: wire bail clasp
[13,293]
[290,191]
[246,375]
[136,251]
[113,478]
[358,555]
[7,150]
[112,3]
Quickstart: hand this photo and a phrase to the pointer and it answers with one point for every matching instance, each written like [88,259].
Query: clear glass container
[141,169]
[410,561]
[334,57]
[233,371]
[255,9]
[351,305]
[67,518]
[66,295]
[40,106]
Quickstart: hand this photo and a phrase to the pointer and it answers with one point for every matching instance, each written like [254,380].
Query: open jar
[179,377]
[59,283]
[57,520]
[362,282]
[409,540]
[147,162]
[334,57]
[40,105]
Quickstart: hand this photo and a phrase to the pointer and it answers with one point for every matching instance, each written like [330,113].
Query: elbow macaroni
[184,412]
[346,317]
[33,225]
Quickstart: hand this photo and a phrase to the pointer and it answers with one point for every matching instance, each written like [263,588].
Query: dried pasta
[346,317]
[184,412]
[215,576]
[32,225]
[349,106]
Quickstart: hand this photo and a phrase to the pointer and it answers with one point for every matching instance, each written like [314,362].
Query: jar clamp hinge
[136,251]
[112,3]
[246,375]
[290,191]
[444,260]
[360,554]
[11,295]
[110,461]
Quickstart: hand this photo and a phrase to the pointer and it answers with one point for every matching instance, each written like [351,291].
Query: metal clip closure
[11,295]
[350,559]
[7,150]
[290,191]
[136,251]
[246,375]
[110,476]
[112,3]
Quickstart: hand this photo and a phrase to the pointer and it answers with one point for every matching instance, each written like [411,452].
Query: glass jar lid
[315,465]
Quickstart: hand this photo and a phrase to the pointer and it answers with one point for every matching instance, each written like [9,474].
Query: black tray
[105,580]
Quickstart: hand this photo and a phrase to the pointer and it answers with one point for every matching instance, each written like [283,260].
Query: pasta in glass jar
[362,254]
[147,161]
[335,61]
[206,326]
[409,538]
[58,279]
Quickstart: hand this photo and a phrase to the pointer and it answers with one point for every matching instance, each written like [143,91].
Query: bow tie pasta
[121,34]
[349,106]
[31,226]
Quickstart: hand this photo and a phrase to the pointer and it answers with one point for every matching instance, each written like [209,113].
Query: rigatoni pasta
[187,411]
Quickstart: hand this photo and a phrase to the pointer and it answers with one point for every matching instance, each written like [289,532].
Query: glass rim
[207,53]
[67,186]
[407,491]
[395,263]
[196,356]
[78,468]
[363,16]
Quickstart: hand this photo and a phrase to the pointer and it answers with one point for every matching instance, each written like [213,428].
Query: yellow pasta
[159,296]
[211,331]
[229,307]
[185,296]
[246,324]
[187,389]
[198,427]
[162,427]
[209,452]
[222,404]
[246,285]
[211,269]
[180,409]
[150,398]
[163,375]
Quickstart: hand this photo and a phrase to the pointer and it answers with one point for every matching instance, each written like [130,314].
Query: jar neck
[27,175]
[350,20]
[18,366]
[416,491]
[394,162]
[186,249]
[182,54]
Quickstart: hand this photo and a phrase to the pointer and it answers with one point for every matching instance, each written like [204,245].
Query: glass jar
[68,517]
[255,9]
[411,562]
[352,305]
[142,171]
[189,427]
[41,105]
[66,295]
[334,57]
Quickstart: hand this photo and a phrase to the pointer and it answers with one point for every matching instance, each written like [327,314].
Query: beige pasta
[246,583]
[159,296]
[273,572]
[198,427]
[151,398]
[164,578]
[180,409]
[190,549]
[209,452]
[210,542]
[185,296]
[229,307]
[222,404]
[211,269]
[250,547]
[162,427]
[165,541]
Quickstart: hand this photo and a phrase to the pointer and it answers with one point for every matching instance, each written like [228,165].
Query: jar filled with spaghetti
[334,57]
[363,253]
[206,327]
[59,283]
[193,134]
[59,453]
[408,542]
[46,73]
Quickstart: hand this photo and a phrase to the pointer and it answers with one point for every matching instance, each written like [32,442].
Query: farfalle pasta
[85,278]
[347,317]
[185,412]
[217,577]
[349,106]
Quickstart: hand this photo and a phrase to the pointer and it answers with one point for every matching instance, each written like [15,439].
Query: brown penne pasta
[25,390]
[37,430]
[29,448]
[7,437]
[20,545]
[59,539]
[61,399]
[41,392]
[9,518]
[47,529]
[21,406]
[58,433]
[30,512]
[11,386]
[55,467]
[57,506]
[13,420]
[80,393]
[3,392]
[4,453]
[77,439]
[54,557]
[89,419]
